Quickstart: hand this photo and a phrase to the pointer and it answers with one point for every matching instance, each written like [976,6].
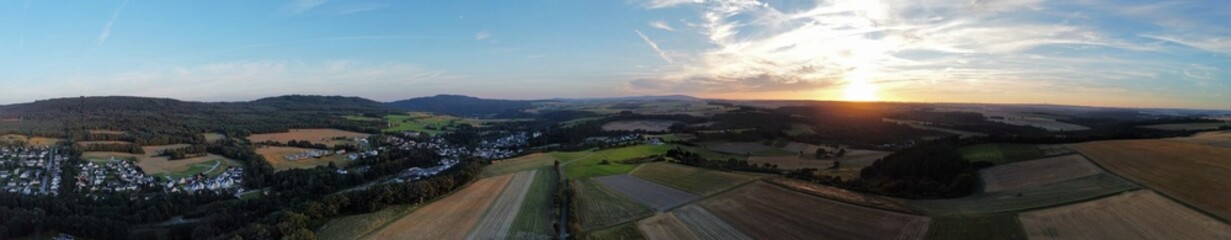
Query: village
[31,170]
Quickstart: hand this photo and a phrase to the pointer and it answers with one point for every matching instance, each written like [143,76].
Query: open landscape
[1139,214]
[277,157]
[329,137]
[656,196]
[498,220]
[459,213]
[600,206]
[1192,173]
[691,179]
[1032,173]
[764,211]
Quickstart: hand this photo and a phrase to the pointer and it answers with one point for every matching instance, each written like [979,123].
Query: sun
[858,88]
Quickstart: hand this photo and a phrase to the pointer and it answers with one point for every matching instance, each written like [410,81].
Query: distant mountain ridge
[460,105]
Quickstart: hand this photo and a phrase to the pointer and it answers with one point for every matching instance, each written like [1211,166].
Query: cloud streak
[301,6]
[662,54]
[106,33]
[662,25]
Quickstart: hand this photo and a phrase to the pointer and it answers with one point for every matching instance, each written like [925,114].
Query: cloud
[358,8]
[300,6]
[482,35]
[652,4]
[1212,44]
[661,25]
[102,37]
[320,40]
[662,54]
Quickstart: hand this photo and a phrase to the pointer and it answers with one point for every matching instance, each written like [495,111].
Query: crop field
[705,225]
[934,127]
[536,217]
[355,226]
[319,136]
[276,156]
[639,125]
[31,141]
[993,226]
[500,216]
[88,143]
[834,193]
[458,213]
[851,163]
[694,180]
[518,164]
[585,165]
[674,137]
[1047,195]
[627,231]
[1217,139]
[1187,126]
[656,196]
[1135,215]
[155,165]
[1000,153]
[209,168]
[599,206]
[742,148]
[211,137]
[666,226]
[1044,123]
[1036,172]
[764,211]
[1192,173]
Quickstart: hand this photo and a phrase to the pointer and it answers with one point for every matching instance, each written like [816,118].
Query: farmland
[862,199]
[656,196]
[627,231]
[536,216]
[500,216]
[1033,197]
[1192,173]
[666,226]
[1135,215]
[1040,122]
[706,225]
[851,163]
[30,141]
[431,124]
[523,163]
[1188,126]
[210,168]
[355,226]
[599,206]
[764,211]
[330,137]
[585,165]
[276,156]
[993,226]
[694,180]
[155,165]
[742,148]
[458,212]
[1217,139]
[211,137]
[1036,172]
[639,125]
[1000,153]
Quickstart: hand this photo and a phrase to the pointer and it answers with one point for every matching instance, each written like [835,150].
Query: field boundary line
[1160,193]
[919,213]
[415,207]
[703,198]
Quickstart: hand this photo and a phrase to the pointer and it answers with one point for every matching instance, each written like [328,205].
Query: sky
[1078,52]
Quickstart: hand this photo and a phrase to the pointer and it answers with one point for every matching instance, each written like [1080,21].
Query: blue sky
[1084,52]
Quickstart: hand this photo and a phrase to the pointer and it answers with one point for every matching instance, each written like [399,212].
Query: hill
[465,106]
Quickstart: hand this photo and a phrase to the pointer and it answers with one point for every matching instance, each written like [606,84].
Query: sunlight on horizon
[858,88]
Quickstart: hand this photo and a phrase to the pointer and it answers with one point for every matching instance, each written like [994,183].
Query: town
[31,170]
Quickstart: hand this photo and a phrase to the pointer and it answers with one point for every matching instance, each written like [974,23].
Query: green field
[421,122]
[198,168]
[690,179]
[535,218]
[361,118]
[627,231]
[599,206]
[995,226]
[518,164]
[1000,153]
[586,165]
[355,226]
[1031,198]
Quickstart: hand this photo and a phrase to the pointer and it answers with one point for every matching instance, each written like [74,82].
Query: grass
[1000,153]
[599,206]
[362,118]
[430,124]
[518,164]
[355,226]
[535,217]
[994,226]
[591,165]
[627,231]
[197,168]
[690,179]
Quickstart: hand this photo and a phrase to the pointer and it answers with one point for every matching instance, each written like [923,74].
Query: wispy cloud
[482,35]
[659,51]
[1212,44]
[106,33]
[668,3]
[358,8]
[662,25]
[300,6]
[320,40]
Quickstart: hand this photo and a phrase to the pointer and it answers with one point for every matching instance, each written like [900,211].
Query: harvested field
[1036,172]
[500,216]
[639,125]
[458,213]
[857,198]
[319,136]
[355,226]
[518,164]
[627,231]
[1047,195]
[212,137]
[764,211]
[1000,153]
[994,226]
[705,225]
[656,196]
[666,226]
[537,214]
[1191,173]
[1135,215]
[599,206]
[1217,139]
[276,156]
[1187,126]
[88,143]
[30,141]
[694,180]
[744,148]
[152,164]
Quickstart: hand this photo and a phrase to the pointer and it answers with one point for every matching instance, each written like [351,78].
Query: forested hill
[160,121]
[464,106]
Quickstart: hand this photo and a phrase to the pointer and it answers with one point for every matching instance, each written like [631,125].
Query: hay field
[1217,139]
[639,125]
[518,164]
[1135,215]
[501,214]
[451,217]
[764,211]
[30,141]
[666,226]
[1075,190]
[1187,126]
[1036,172]
[600,206]
[276,158]
[705,225]
[656,196]
[694,180]
[537,214]
[993,226]
[1192,173]
[834,193]
[318,136]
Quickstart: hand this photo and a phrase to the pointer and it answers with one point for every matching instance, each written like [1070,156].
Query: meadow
[651,194]
[639,125]
[537,212]
[694,180]
[601,207]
